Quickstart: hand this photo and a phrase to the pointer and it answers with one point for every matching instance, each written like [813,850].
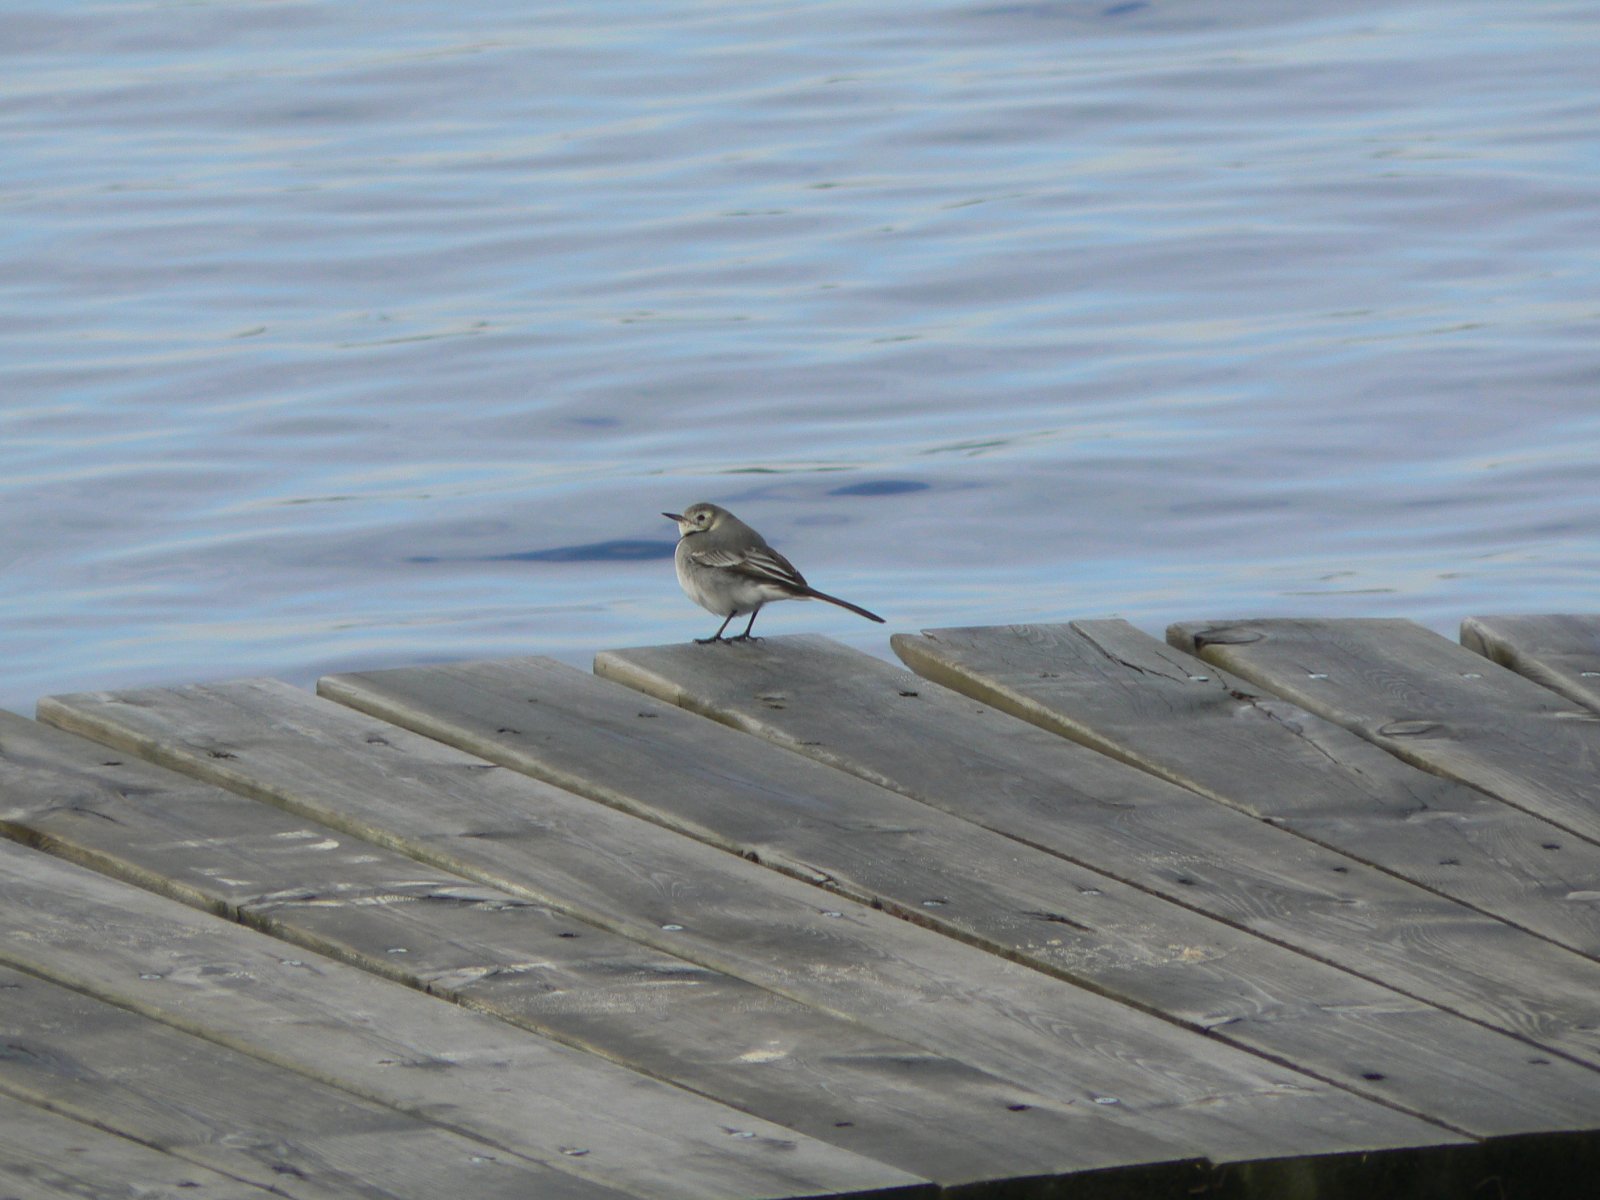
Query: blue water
[343,335]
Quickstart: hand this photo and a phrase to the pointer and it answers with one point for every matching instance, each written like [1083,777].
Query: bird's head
[698,518]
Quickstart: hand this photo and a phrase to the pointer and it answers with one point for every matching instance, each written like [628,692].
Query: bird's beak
[672,516]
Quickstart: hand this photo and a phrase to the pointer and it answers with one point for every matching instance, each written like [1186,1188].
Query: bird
[728,569]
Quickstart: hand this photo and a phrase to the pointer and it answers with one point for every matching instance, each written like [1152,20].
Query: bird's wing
[763,564]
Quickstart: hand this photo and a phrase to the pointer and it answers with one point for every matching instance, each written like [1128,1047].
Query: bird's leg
[717,636]
[745,636]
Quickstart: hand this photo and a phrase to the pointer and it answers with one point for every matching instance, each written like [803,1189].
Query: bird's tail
[855,608]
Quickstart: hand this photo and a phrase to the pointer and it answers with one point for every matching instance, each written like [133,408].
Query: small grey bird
[728,569]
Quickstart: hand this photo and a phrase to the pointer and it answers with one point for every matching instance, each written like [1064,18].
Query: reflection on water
[879,487]
[334,336]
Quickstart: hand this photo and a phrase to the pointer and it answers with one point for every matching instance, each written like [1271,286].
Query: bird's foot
[743,637]
[715,637]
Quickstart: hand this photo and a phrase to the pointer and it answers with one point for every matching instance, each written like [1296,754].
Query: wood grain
[524,963]
[1108,685]
[999,894]
[1278,763]
[48,1157]
[1145,1078]
[863,716]
[459,1069]
[1428,701]
[1559,651]
[235,1114]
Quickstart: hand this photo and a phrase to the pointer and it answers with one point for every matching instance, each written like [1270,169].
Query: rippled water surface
[339,335]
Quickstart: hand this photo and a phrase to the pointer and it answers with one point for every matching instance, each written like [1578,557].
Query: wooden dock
[1279,910]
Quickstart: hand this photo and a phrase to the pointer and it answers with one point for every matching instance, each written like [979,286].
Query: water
[339,336]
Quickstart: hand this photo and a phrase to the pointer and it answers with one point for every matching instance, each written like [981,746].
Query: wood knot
[1402,729]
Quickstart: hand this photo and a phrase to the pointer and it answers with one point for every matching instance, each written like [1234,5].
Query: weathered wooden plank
[48,1156]
[1429,701]
[1559,651]
[486,948]
[453,811]
[1105,684]
[1119,691]
[238,1115]
[829,702]
[1112,937]
[388,1043]
[991,890]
